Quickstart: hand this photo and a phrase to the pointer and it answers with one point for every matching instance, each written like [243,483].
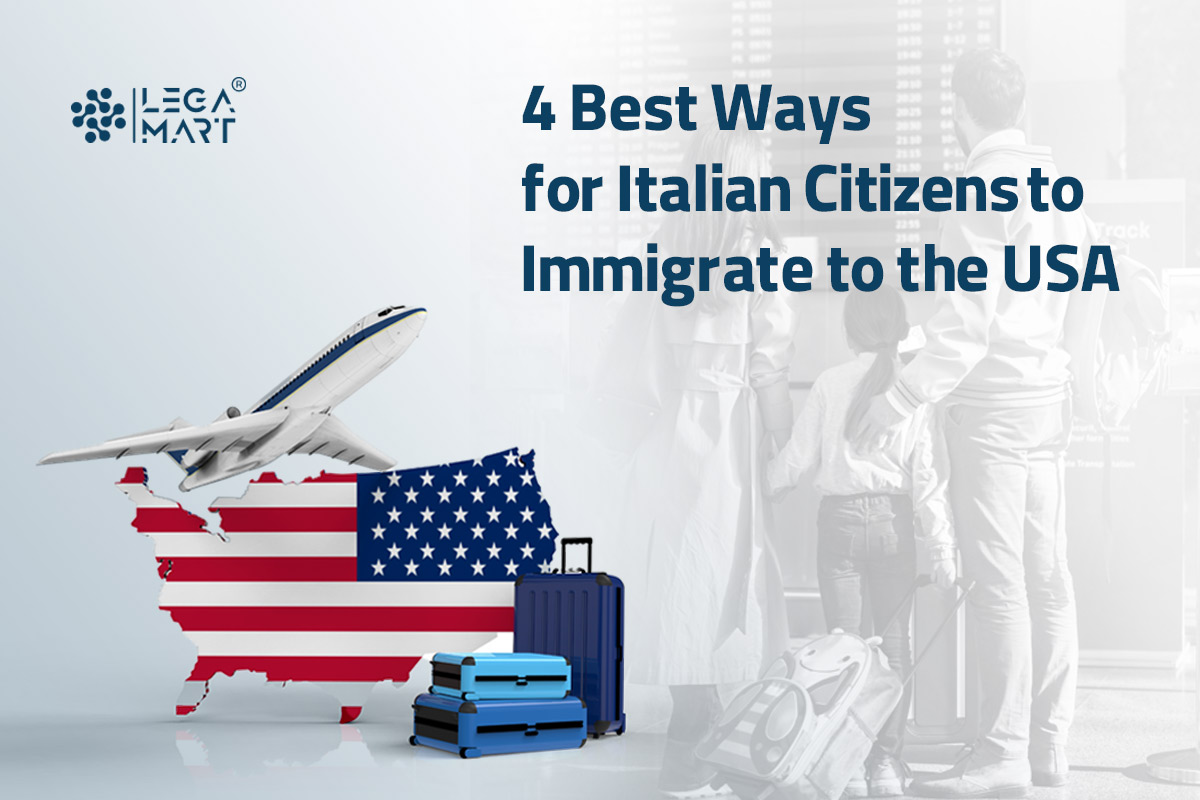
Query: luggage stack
[489,703]
[566,682]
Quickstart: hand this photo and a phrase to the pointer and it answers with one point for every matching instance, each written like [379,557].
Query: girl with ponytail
[875,506]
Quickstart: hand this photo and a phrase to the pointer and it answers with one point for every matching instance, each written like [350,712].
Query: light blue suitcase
[501,676]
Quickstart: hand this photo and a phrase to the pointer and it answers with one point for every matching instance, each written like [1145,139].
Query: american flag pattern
[347,579]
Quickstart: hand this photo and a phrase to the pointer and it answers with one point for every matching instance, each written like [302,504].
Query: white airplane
[292,418]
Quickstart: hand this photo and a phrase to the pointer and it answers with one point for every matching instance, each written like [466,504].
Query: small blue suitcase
[580,616]
[501,676]
[489,727]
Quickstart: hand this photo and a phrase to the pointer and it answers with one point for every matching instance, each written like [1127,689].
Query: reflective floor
[251,740]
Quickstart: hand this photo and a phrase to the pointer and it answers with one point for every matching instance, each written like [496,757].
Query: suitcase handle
[964,587]
[582,540]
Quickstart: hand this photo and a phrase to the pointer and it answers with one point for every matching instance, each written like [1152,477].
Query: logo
[98,115]
[166,115]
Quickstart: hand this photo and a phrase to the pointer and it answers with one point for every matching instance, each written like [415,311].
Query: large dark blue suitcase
[487,727]
[581,616]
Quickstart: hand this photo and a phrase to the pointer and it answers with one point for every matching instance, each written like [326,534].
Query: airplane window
[385,312]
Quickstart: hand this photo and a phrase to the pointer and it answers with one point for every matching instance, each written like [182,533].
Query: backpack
[1117,340]
[806,727]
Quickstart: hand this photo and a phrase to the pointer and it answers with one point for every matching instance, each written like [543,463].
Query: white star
[394,479]
[477,530]
[511,566]
[378,531]
[460,551]
[546,566]
[444,530]
[478,567]
[394,551]
[478,462]
[510,495]
[426,515]
[393,515]
[527,551]
[511,530]
[427,551]
[411,566]
[378,567]
[444,496]
[510,459]
[411,530]
[493,478]
[411,494]
[493,515]
[426,479]
[460,478]
[378,495]
[544,531]
[477,495]
[526,478]
[444,567]
[526,515]
[493,551]
[460,515]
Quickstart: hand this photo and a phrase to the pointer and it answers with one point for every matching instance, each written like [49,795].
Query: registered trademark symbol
[239,84]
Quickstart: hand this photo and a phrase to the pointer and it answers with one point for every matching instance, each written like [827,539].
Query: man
[995,361]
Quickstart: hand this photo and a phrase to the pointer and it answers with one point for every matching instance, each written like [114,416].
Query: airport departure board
[899,53]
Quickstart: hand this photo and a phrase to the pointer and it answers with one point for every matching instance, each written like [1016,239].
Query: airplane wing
[237,433]
[335,440]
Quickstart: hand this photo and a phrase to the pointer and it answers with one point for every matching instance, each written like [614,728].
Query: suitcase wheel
[468,752]
[412,740]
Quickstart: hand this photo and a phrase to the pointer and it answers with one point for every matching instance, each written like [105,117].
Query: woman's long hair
[724,233]
[876,322]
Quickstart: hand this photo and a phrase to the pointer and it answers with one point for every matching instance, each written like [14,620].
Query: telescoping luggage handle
[587,540]
[965,588]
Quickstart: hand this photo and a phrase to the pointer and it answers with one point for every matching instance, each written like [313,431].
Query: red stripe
[333,477]
[256,568]
[309,668]
[270,519]
[134,475]
[161,519]
[348,618]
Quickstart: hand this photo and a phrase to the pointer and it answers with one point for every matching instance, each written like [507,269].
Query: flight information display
[899,53]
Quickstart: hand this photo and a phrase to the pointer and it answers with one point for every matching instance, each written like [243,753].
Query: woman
[709,609]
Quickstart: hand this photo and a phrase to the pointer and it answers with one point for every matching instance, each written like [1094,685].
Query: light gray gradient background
[375,160]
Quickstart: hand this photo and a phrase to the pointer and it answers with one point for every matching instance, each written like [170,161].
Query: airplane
[294,417]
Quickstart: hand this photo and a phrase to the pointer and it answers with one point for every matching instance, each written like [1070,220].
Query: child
[866,536]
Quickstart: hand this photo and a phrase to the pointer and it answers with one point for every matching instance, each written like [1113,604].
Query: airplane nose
[416,320]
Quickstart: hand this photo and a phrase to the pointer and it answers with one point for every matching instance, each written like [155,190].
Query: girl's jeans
[866,553]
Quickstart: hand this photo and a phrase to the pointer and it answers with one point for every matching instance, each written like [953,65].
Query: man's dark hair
[992,85]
